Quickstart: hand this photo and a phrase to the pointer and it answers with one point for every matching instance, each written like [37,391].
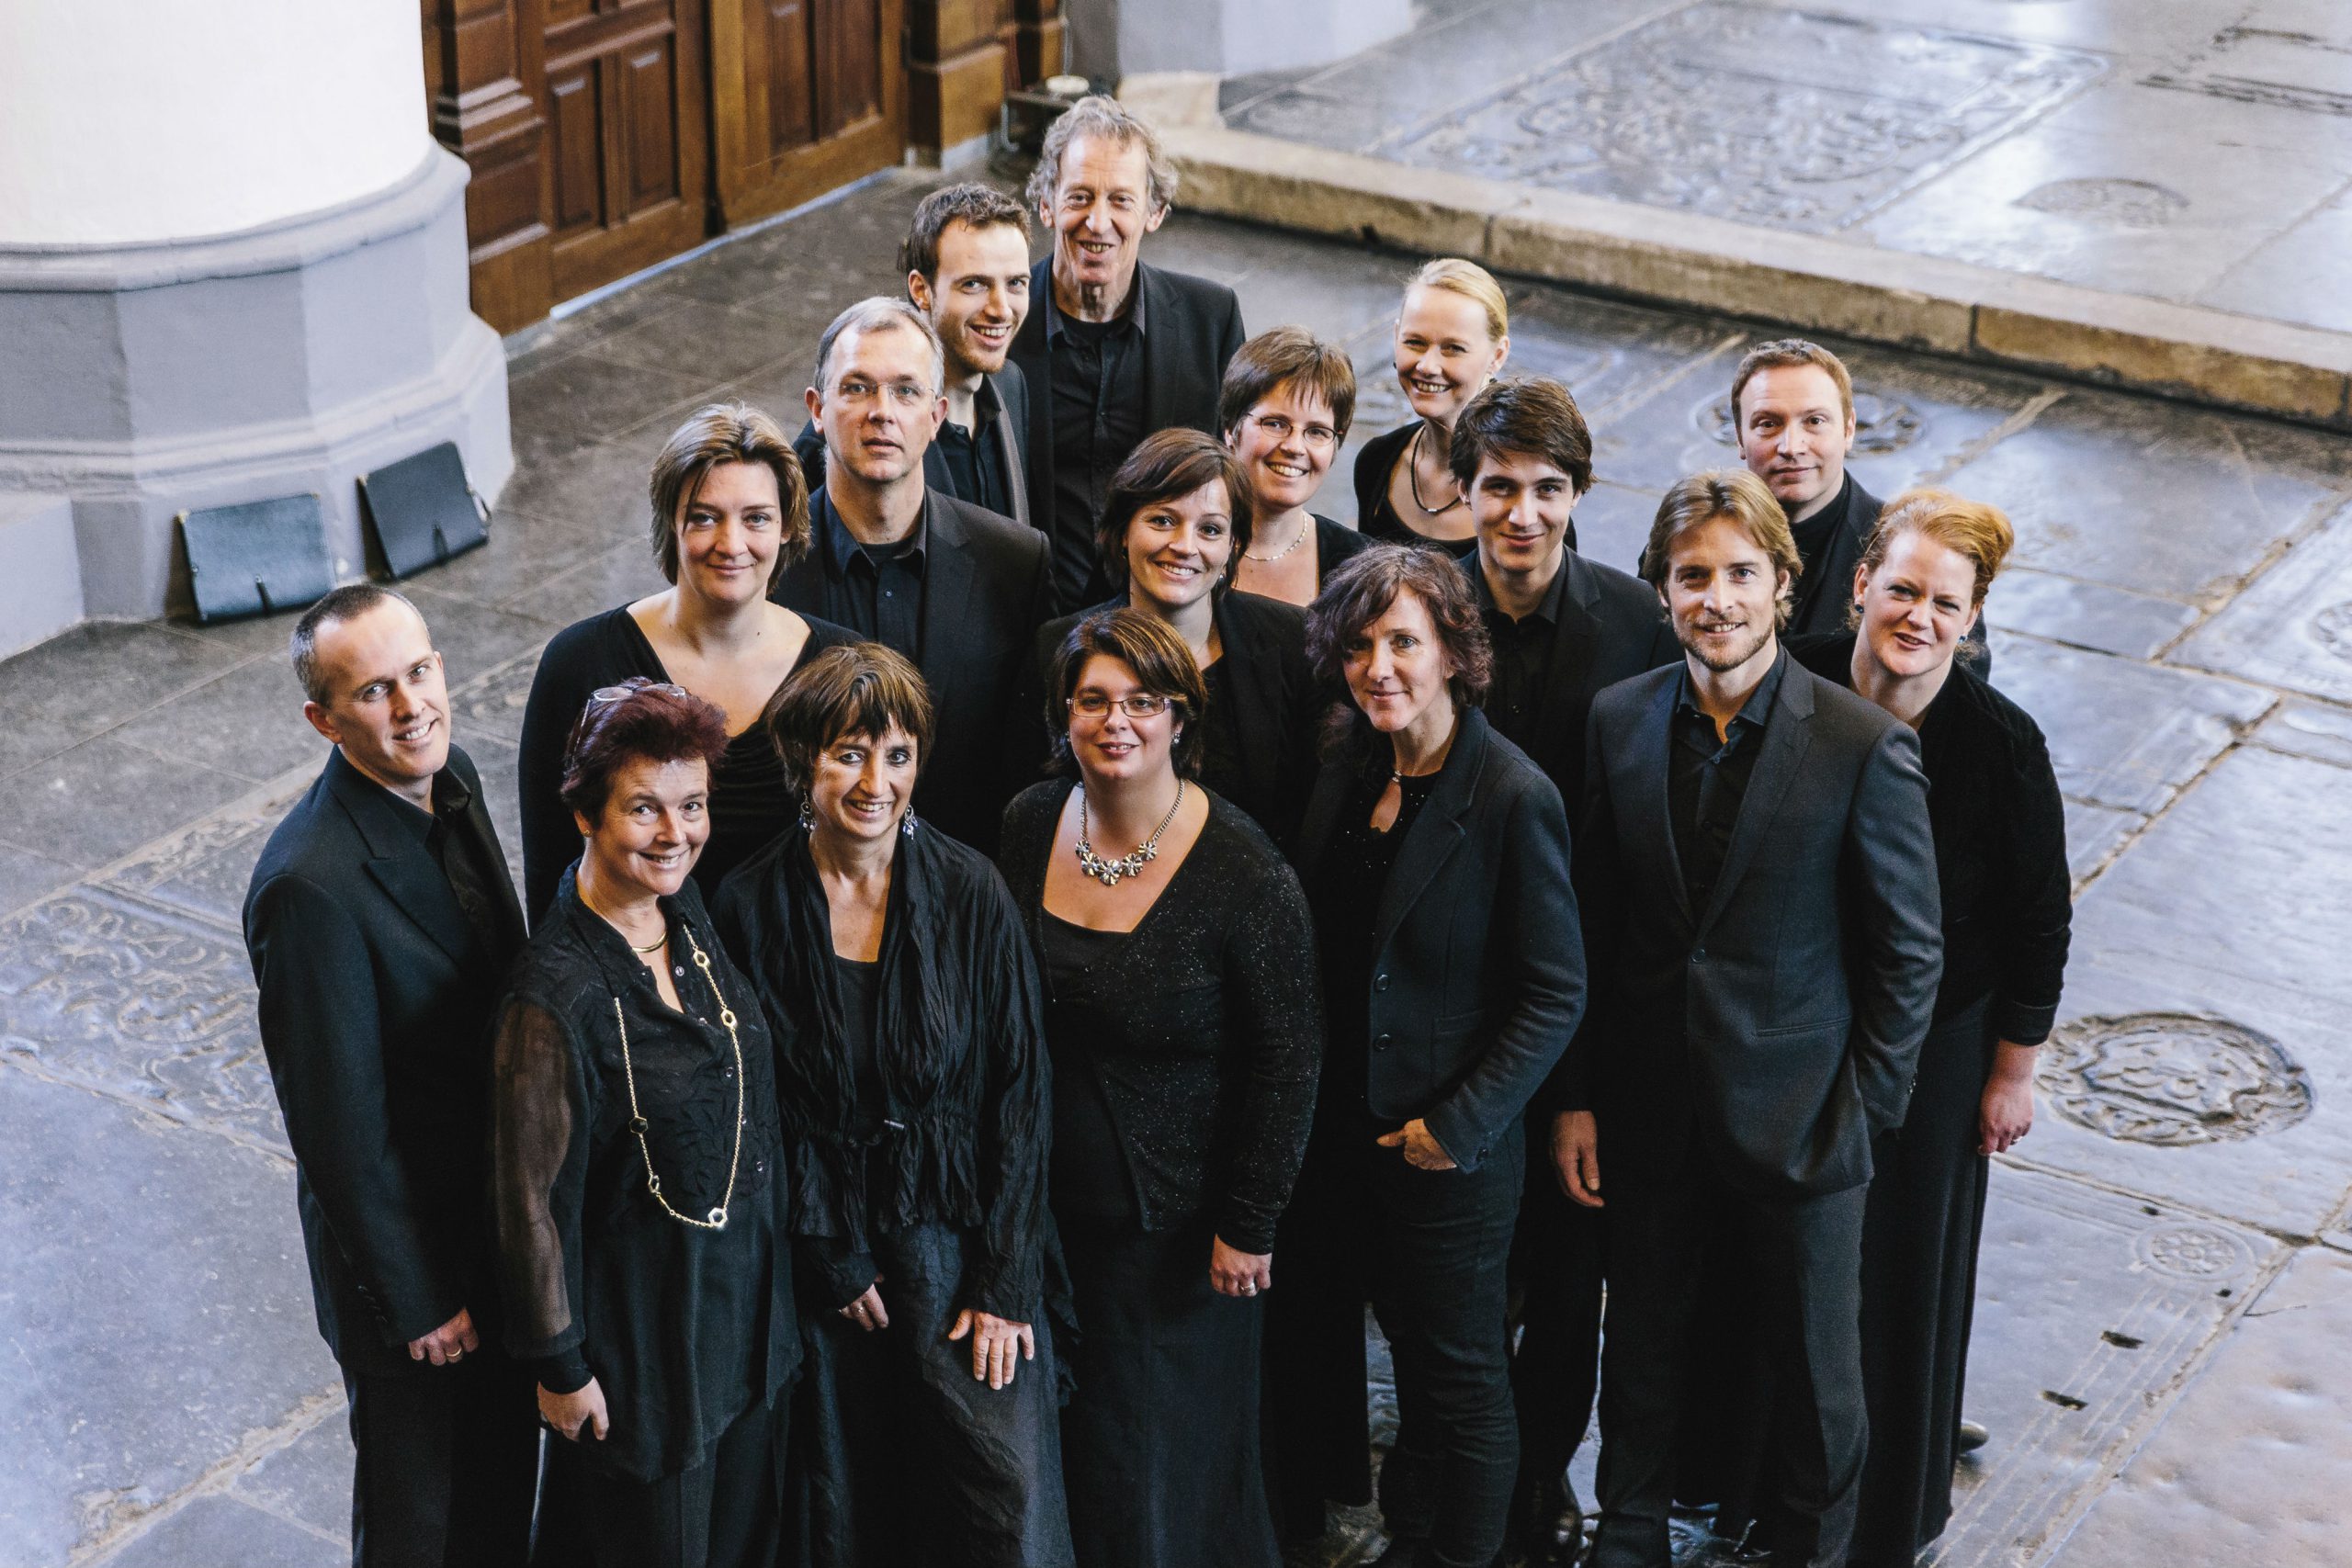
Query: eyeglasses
[1277,427]
[631,687]
[858,392]
[1138,705]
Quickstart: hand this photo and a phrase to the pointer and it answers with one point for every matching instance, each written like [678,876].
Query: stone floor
[2168,1268]
[2193,151]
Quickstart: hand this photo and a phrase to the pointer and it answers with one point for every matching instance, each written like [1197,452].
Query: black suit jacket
[1192,327]
[1782,1022]
[1611,628]
[1012,430]
[985,592]
[1277,702]
[377,1004]
[1478,974]
[1826,592]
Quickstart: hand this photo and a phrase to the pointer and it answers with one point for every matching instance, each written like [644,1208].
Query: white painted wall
[126,120]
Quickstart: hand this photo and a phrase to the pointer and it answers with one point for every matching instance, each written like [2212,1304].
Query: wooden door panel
[788,87]
[575,150]
[807,95]
[649,116]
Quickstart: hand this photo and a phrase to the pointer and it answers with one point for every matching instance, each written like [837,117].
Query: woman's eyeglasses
[1140,705]
[631,687]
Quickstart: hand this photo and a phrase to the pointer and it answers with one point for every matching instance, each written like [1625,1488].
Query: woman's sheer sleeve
[538,1163]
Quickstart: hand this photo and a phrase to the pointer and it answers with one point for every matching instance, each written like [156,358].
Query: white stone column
[233,265]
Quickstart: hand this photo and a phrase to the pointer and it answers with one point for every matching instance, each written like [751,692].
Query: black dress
[749,802]
[916,1095]
[1375,518]
[689,1332]
[1185,1054]
[2001,858]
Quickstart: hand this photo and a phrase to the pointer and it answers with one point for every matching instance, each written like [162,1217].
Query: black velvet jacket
[2000,831]
[1204,1026]
[961,1055]
[684,1328]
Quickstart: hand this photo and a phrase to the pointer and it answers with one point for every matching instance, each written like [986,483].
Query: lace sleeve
[539,1159]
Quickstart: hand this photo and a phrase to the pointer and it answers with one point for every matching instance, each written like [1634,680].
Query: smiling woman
[1452,335]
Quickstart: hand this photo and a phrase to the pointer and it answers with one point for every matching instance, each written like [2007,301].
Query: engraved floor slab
[2293,628]
[2085,614]
[1773,116]
[2308,730]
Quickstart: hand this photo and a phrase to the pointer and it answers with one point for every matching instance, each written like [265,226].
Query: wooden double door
[606,135]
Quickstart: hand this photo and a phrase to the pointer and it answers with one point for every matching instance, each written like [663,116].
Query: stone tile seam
[1665,380]
[216,1481]
[2018,421]
[30,1069]
[175,695]
[2169,1206]
[2308,531]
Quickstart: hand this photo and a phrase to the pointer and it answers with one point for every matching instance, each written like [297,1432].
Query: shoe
[1546,1525]
[1403,1552]
[1972,1436]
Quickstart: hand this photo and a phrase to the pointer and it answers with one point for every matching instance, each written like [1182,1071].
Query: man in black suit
[1563,628]
[1113,349]
[959,591]
[1792,408]
[966,260]
[1763,929]
[380,921]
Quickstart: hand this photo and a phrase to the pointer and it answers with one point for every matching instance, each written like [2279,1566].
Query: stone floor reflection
[2167,1270]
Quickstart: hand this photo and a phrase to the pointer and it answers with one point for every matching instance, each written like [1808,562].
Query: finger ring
[1249,1290]
[457,1355]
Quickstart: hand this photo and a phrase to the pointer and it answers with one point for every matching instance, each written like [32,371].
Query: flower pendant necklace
[1111,873]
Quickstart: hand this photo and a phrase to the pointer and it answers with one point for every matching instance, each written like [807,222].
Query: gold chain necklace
[637,1124]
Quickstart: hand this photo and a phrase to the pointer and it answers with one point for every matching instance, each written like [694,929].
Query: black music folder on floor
[256,558]
[421,509]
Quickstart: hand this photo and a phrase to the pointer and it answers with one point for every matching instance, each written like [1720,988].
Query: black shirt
[1707,778]
[1522,653]
[860,985]
[975,458]
[1347,922]
[880,587]
[1813,538]
[1222,769]
[1090,1175]
[473,872]
[1098,398]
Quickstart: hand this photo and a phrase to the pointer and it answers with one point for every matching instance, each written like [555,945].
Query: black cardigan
[749,802]
[1203,1027]
[2000,831]
[959,1048]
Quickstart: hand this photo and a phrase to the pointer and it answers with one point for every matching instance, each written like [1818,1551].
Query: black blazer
[986,589]
[1478,974]
[1781,1021]
[1611,628]
[1826,592]
[376,1009]
[1012,446]
[1192,328]
[1277,702]
[1377,519]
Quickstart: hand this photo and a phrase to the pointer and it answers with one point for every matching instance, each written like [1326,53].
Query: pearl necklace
[1305,526]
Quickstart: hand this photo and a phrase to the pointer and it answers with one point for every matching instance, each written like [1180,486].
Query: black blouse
[1375,518]
[2000,831]
[749,802]
[684,1328]
[1201,1026]
[1334,542]
[959,1132]
[1347,921]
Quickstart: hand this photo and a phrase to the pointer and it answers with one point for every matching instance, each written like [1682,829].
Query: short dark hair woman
[909,1059]
[1174,528]
[1285,406]
[1436,857]
[637,1169]
[730,512]
[2000,833]
[1182,1021]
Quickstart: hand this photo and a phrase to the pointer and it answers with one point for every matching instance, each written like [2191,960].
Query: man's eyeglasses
[1138,705]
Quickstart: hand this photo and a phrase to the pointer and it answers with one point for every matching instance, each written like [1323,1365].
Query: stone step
[41,570]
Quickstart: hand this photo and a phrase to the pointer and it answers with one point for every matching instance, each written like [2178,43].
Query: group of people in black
[1028,875]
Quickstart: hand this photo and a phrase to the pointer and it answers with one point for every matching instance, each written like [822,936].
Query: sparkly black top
[684,1328]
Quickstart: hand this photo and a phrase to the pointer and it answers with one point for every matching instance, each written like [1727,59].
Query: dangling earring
[807,813]
[907,826]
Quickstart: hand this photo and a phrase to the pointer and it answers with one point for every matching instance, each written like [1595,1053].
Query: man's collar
[1547,608]
[842,547]
[1756,710]
[1132,312]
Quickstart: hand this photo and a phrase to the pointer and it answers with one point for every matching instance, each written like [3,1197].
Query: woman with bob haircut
[1174,528]
[1287,401]
[1452,336]
[730,512]
[1181,1017]
[1917,594]
[637,1175]
[1435,855]
[909,1064]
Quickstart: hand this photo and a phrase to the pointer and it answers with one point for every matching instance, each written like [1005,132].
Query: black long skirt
[1160,1442]
[1318,1419]
[903,1456]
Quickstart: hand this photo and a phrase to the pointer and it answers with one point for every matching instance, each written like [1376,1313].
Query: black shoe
[1546,1525]
[1972,1436]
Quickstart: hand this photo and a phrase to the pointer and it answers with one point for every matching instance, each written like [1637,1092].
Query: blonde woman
[1453,337]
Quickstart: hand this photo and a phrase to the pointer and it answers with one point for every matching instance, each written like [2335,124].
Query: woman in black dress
[1177,519]
[908,1058]
[1452,336]
[637,1175]
[1436,857]
[1182,1021]
[2000,831]
[729,511]
[1285,407]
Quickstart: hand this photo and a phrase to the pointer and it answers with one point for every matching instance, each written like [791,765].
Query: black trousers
[1802,1276]
[1558,1260]
[448,1465]
[1440,1287]
[723,1513]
